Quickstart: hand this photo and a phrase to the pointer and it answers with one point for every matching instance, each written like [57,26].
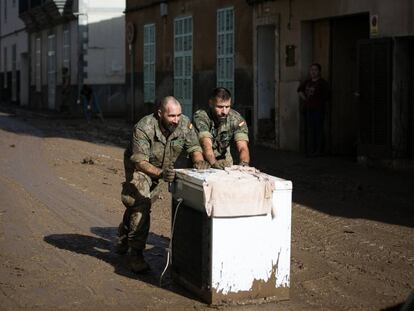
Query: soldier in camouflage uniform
[157,141]
[217,127]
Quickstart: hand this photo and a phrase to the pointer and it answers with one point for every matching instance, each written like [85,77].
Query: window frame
[225,49]
[183,62]
[149,62]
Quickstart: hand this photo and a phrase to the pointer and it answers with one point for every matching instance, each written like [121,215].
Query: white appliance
[230,259]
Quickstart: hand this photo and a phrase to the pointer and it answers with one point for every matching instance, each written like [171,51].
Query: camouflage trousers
[139,191]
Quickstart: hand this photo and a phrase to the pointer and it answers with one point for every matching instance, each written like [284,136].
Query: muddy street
[352,226]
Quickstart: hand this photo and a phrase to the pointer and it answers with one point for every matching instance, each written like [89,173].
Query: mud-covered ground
[352,226]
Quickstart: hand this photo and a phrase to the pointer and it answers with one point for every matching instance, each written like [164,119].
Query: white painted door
[183,63]
[51,71]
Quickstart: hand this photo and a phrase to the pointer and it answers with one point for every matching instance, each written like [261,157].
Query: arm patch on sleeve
[241,123]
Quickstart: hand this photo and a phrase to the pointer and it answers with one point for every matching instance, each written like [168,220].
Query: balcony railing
[41,14]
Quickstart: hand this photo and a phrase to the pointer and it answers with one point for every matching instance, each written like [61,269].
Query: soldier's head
[219,103]
[169,113]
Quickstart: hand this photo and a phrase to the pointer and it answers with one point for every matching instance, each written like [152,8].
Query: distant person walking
[314,93]
[89,103]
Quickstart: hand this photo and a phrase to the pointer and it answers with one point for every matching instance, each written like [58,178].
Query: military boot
[137,261]
[121,246]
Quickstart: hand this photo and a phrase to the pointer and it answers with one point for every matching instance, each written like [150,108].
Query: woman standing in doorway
[314,92]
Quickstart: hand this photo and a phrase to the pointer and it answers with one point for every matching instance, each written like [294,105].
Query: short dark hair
[317,65]
[164,101]
[220,93]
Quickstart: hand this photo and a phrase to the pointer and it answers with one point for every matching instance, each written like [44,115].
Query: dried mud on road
[60,181]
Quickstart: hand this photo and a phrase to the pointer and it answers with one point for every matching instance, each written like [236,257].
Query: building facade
[72,43]
[14,58]
[365,49]
[187,48]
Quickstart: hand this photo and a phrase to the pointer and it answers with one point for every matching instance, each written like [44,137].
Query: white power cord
[169,249]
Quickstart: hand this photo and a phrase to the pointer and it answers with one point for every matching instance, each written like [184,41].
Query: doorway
[266,73]
[343,109]
[411,106]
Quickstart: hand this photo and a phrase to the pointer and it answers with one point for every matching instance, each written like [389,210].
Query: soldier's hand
[243,163]
[201,165]
[168,174]
[221,164]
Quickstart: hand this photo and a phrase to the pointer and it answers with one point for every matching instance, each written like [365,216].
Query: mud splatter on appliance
[230,259]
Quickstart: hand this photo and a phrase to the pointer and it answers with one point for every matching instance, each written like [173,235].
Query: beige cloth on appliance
[238,191]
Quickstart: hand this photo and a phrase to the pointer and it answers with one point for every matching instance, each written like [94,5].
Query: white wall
[13,22]
[58,31]
[289,116]
[106,42]
[21,47]
[11,32]
[73,26]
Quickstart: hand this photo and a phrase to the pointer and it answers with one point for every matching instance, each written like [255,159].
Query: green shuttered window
[149,63]
[183,63]
[225,48]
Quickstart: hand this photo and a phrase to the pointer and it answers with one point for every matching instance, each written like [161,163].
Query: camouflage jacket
[149,143]
[234,128]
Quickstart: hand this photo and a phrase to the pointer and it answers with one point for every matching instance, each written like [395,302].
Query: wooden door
[374,106]
[345,33]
